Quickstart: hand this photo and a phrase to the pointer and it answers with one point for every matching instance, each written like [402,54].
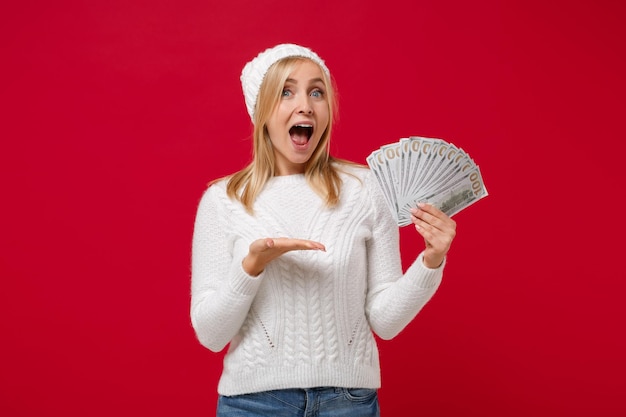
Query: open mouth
[301,133]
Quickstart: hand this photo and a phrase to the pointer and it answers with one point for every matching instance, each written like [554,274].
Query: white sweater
[307,320]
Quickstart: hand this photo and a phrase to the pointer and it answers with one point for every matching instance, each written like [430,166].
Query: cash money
[426,170]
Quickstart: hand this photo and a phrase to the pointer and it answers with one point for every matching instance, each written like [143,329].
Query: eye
[286,92]
[317,93]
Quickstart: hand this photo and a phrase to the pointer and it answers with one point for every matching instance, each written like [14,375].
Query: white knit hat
[255,70]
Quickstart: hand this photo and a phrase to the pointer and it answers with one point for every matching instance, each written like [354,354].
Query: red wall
[115,114]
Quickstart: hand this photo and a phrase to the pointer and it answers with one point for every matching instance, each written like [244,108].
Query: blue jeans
[310,402]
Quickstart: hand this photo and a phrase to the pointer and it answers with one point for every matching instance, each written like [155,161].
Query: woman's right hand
[263,251]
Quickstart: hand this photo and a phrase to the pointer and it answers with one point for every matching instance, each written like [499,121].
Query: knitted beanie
[255,70]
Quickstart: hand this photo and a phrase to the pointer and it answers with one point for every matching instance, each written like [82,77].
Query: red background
[115,115]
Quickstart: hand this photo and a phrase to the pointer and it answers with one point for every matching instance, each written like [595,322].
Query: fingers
[263,251]
[438,231]
[281,245]
[261,245]
[427,216]
[289,244]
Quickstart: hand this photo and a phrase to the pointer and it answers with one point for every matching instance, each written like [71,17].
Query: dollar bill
[431,170]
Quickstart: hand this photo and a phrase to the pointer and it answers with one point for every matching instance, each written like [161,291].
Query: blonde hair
[321,170]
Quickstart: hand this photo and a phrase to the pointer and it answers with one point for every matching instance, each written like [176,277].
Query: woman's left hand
[438,231]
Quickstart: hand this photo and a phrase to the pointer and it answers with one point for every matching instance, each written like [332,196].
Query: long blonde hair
[321,170]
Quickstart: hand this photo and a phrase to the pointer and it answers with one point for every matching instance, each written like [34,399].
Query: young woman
[296,261]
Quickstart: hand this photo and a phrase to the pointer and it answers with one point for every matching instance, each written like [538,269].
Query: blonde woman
[296,261]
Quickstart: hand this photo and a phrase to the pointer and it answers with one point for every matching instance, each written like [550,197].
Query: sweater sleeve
[394,298]
[221,291]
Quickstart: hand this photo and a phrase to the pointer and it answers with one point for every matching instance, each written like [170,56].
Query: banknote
[431,170]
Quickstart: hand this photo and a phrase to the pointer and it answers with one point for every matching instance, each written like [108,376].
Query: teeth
[303,125]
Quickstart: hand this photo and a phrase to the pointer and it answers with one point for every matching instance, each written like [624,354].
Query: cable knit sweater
[307,319]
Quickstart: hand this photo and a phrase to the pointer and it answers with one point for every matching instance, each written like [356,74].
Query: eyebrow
[312,81]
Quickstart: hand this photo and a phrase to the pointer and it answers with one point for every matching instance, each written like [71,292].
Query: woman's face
[299,119]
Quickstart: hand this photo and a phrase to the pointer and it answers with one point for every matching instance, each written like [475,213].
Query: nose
[304,105]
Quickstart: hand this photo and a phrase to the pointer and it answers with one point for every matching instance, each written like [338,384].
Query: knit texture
[307,319]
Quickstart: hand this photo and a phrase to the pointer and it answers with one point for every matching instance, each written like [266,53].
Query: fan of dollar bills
[426,170]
